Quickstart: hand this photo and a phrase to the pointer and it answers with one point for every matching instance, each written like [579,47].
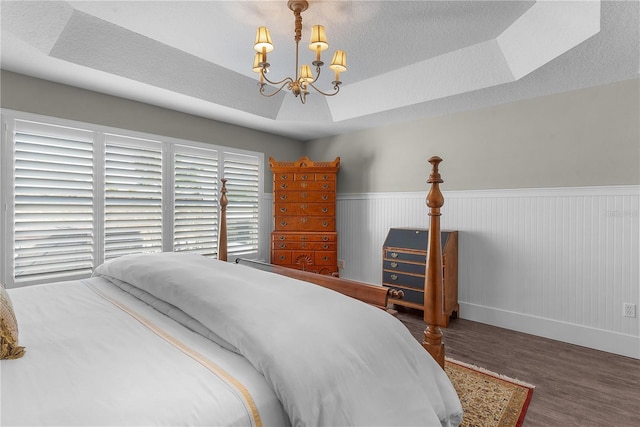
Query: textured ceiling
[406,59]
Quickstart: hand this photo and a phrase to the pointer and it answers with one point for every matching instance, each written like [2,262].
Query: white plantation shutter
[53,202]
[133,196]
[243,178]
[73,195]
[195,215]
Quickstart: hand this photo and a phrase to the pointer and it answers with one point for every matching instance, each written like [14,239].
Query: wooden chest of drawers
[404,267]
[304,214]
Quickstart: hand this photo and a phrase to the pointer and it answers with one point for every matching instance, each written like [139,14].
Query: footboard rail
[377,296]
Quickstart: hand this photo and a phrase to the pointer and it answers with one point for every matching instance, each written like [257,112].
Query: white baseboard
[611,342]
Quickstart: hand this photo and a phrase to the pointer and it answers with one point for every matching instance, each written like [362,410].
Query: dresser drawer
[404,267]
[394,254]
[310,176]
[326,258]
[304,237]
[296,209]
[304,186]
[283,177]
[410,295]
[399,279]
[281,257]
[302,223]
[305,196]
[315,246]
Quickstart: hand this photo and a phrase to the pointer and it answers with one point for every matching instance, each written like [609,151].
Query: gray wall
[581,138]
[23,93]
[589,137]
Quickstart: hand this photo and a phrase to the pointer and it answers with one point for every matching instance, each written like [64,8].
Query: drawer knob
[283,245]
[325,224]
[325,258]
[394,277]
[325,246]
[283,186]
[305,177]
[325,197]
[325,210]
[282,257]
[325,238]
[394,255]
[282,237]
[303,195]
[325,186]
[325,177]
[394,264]
[283,196]
[303,206]
[396,293]
[304,219]
[283,223]
[283,209]
[283,176]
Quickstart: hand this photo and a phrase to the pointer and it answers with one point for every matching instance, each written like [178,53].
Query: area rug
[488,399]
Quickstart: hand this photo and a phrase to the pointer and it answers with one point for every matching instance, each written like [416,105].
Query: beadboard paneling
[556,262]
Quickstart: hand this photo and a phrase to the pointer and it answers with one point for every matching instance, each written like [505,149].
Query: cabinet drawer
[320,177]
[281,257]
[298,223]
[325,258]
[284,237]
[305,196]
[303,258]
[304,237]
[282,176]
[305,186]
[404,267]
[399,255]
[315,246]
[295,209]
[410,295]
[398,279]
[310,176]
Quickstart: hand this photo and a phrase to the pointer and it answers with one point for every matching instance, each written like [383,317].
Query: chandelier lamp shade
[304,78]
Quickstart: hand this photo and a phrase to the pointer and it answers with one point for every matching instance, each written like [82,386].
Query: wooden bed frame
[372,294]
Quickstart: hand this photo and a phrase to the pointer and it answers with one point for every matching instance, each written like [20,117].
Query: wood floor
[575,386]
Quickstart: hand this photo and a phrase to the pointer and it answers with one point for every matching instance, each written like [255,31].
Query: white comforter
[90,362]
[331,360]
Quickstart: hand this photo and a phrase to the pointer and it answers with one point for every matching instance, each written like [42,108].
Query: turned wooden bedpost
[434,293]
[222,241]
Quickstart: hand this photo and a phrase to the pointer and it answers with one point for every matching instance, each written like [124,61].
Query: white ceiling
[406,59]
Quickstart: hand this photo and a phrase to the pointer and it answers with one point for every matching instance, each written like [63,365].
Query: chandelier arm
[263,93]
[336,87]
[285,80]
[318,68]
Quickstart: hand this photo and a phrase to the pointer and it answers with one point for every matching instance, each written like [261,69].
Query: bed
[180,339]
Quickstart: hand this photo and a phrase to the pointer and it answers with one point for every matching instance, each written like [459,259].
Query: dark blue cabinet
[404,258]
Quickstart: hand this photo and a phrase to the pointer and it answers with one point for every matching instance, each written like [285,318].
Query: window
[76,195]
[52,201]
[243,174]
[132,195]
[195,200]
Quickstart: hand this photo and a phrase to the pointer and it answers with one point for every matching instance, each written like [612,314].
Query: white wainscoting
[557,262]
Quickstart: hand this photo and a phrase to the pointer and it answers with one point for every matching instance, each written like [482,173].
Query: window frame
[168,145]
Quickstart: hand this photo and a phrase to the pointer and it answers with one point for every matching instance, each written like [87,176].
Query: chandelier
[304,79]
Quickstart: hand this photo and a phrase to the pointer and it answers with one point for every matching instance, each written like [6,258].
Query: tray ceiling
[406,59]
